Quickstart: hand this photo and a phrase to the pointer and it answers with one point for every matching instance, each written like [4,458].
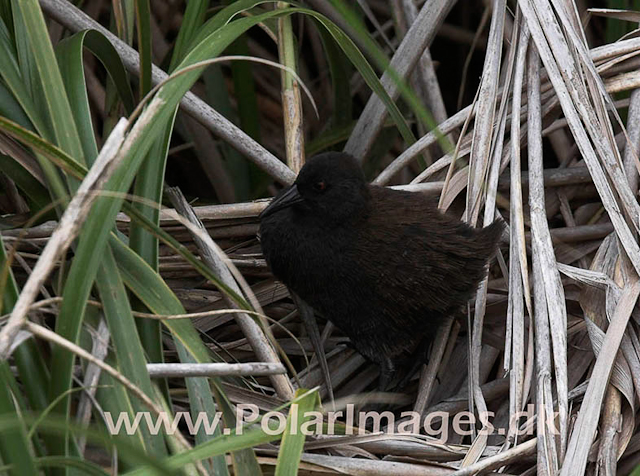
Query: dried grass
[556,322]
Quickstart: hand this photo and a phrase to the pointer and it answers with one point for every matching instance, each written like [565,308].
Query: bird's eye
[320,186]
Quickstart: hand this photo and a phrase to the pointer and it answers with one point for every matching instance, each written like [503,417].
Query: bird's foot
[387,371]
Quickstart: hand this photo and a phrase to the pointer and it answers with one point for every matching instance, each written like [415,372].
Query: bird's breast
[311,261]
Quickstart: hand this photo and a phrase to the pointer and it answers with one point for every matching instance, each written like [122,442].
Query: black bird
[385,266]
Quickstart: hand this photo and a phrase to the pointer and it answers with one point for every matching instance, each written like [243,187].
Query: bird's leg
[415,366]
[387,369]
[420,358]
[309,321]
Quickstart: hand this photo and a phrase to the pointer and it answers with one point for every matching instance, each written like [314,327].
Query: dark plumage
[385,266]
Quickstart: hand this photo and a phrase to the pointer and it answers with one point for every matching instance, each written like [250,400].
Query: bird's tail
[490,235]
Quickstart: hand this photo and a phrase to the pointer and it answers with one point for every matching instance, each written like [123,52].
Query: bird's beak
[288,197]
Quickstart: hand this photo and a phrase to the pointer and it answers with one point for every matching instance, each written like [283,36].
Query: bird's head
[330,186]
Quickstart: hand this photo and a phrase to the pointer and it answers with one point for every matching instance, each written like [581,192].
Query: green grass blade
[29,71]
[11,108]
[5,13]
[245,89]
[69,56]
[127,347]
[233,441]
[218,96]
[243,459]
[149,287]
[223,17]
[56,426]
[382,62]
[218,446]
[340,81]
[53,154]
[367,72]
[94,236]
[35,193]
[149,186]
[115,399]
[29,361]
[192,20]
[60,159]
[81,464]
[123,19]
[69,53]
[57,102]
[143,20]
[150,178]
[14,444]
[293,438]
[19,85]
[104,51]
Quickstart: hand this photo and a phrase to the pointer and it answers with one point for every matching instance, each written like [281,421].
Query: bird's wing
[418,257]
